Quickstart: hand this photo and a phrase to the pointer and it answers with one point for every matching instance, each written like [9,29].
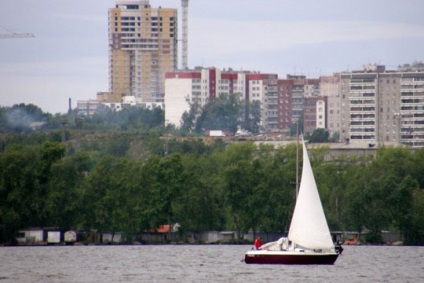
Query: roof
[163,229]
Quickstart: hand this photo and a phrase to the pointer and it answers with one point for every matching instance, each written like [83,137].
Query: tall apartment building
[314,114]
[297,95]
[200,85]
[380,106]
[293,92]
[285,88]
[311,88]
[411,114]
[361,97]
[142,48]
[330,88]
[263,88]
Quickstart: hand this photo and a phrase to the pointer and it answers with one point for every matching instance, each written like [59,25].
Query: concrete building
[314,114]
[200,85]
[263,89]
[311,88]
[410,118]
[361,96]
[142,48]
[285,88]
[292,93]
[297,95]
[87,107]
[330,88]
[383,107]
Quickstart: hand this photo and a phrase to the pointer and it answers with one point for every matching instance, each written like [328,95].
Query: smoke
[19,119]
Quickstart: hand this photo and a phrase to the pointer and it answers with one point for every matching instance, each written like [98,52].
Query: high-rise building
[363,93]
[383,106]
[314,113]
[329,88]
[142,48]
[285,89]
[263,88]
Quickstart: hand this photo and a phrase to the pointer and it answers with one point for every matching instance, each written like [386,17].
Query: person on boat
[258,243]
[339,248]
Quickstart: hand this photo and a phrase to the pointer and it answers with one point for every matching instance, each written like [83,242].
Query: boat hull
[268,257]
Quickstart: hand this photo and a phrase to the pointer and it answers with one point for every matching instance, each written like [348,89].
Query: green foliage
[226,112]
[319,135]
[128,119]
[222,113]
[122,181]
[252,117]
[20,118]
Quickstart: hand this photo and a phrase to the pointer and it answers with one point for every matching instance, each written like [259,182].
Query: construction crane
[12,34]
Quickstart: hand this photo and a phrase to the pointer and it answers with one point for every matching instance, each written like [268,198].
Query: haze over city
[68,57]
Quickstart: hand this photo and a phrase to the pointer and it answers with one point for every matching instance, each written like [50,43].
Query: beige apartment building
[142,48]
[381,107]
[329,88]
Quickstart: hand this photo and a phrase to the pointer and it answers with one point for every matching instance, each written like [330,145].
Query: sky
[68,57]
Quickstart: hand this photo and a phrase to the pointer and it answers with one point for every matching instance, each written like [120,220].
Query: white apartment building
[186,87]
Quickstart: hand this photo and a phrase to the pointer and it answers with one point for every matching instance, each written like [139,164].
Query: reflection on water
[203,263]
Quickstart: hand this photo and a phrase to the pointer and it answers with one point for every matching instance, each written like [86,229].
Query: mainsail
[309,228]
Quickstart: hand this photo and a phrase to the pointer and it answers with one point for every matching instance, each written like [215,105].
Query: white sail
[309,228]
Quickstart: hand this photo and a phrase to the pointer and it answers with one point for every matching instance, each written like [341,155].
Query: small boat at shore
[309,240]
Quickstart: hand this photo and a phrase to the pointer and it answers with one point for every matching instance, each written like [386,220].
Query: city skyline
[68,58]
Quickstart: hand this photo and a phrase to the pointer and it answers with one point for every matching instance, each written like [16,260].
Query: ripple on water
[185,263]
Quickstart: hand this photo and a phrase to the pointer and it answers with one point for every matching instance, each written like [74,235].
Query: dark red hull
[301,258]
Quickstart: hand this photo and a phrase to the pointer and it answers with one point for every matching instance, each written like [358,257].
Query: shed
[54,237]
[30,236]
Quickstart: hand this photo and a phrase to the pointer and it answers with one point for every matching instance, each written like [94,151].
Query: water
[203,263]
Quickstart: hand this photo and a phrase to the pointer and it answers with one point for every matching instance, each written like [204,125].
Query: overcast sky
[68,58]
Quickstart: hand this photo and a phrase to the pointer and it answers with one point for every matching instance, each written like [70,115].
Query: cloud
[49,84]
[87,18]
[268,36]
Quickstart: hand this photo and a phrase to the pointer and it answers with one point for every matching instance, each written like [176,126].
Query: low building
[30,236]
[54,237]
[87,107]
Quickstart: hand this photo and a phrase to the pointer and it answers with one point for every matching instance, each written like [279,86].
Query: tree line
[125,172]
[239,187]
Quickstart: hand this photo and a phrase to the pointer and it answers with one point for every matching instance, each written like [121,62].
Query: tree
[319,135]
[198,207]
[63,201]
[188,119]
[19,118]
[24,179]
[221,113]
[252,118]
[239,186]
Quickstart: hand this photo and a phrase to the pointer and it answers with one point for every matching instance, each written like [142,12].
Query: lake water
[200,263]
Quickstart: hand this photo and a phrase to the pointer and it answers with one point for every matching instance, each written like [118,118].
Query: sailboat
[309,240]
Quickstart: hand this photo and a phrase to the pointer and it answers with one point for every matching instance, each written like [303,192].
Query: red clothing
[258,243]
